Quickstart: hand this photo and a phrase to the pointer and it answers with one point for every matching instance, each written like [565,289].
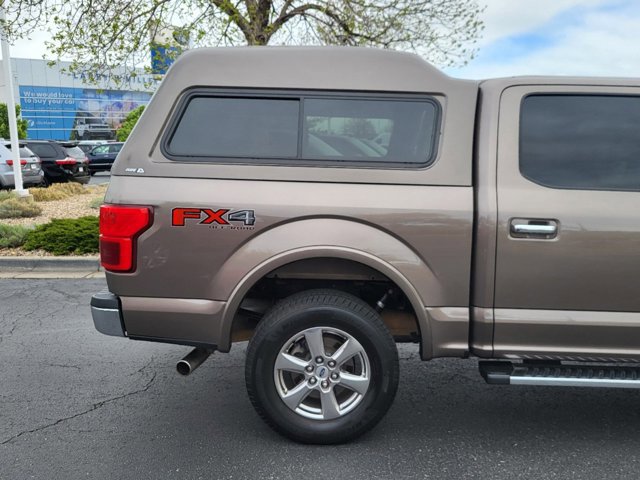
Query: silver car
[32,173]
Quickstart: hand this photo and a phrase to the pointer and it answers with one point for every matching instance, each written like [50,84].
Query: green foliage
[96,202]
[16,208]
[4,195]
[112,39]
[4,122]
[65,236]
[129,122]
[12,236]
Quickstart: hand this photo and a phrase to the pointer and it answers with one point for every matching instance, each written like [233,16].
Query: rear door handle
[534,228]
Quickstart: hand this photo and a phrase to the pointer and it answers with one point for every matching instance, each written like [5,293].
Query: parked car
[101,158]
[87,145]
[74,151]
[501,221]
[32,174]
[58,166]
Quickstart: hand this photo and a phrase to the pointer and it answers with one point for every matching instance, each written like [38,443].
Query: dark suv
[101,157]
[57,165]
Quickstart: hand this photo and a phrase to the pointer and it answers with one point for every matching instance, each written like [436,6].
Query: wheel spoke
[290,363]
[315,342]
[356,383]
[347,350]
[296,395]
[330,408]
[312,369]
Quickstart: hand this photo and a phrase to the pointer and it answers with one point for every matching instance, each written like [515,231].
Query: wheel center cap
[322,372]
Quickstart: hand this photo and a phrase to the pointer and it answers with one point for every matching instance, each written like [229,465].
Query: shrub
[6,195]
[96,202]
[14,208]
[12,236]
[47,194]
[65,236]
[58,191]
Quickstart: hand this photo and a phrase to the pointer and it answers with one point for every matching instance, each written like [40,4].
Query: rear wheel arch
[356,257]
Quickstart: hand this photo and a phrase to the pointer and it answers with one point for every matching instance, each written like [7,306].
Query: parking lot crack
[94,407]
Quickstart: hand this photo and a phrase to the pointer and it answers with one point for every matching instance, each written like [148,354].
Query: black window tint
[388,131]
[237,127]
[115,148]
[25,152]
[43,150]
[581,141]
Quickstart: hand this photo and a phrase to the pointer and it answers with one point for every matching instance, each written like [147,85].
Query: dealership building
[58,105]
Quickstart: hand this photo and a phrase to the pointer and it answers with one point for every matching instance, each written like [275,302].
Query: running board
[507,373]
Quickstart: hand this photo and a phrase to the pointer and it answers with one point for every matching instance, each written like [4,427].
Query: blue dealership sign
[66,113]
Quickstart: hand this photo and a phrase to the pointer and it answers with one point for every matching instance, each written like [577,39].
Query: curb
[49,264]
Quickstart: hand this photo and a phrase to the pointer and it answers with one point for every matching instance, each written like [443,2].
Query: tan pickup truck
[326,203]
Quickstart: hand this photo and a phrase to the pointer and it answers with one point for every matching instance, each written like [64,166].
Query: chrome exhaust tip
[192,361]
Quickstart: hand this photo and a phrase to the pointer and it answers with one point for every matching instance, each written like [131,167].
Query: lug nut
[319,359]
[309,368]
[334,376]
[332,363]
[324,384]
[312,381]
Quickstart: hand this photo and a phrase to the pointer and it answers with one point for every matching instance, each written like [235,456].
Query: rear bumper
[6,179]
[107,314]
[180,321]
[56,173]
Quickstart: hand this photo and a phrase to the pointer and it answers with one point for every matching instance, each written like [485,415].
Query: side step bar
[507,373]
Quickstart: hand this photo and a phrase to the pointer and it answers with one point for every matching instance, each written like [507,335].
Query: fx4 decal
[209,216]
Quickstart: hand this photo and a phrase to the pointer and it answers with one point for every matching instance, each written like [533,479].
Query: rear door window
[100,150]
[587,142]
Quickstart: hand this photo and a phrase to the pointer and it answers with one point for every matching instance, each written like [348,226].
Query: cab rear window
[305,129]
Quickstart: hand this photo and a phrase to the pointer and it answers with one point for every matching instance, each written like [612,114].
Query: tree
[101,36]
[4,122]
[130,121]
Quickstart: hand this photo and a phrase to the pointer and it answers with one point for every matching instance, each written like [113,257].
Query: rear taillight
[66,161]
[10,162]
[120,226]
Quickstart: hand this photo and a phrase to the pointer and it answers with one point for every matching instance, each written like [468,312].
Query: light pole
[11,108]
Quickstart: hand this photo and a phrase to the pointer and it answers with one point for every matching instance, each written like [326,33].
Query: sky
[557,37]
[531,37]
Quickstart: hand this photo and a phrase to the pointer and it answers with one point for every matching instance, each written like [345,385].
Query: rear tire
[322,367]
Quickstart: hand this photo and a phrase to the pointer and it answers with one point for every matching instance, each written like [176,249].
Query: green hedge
[65,236]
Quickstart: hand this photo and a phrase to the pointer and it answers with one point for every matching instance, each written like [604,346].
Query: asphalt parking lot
[100,178]
[76,404]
